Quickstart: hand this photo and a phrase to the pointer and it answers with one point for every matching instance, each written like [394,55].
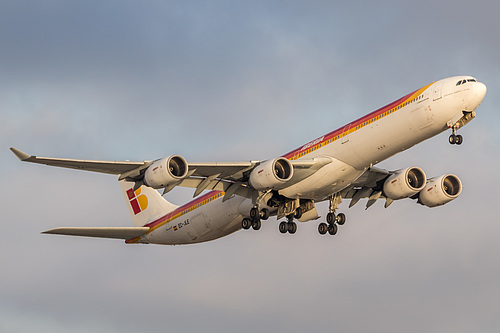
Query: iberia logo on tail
[138,201]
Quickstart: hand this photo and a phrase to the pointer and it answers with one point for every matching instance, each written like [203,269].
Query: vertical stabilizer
[145,204]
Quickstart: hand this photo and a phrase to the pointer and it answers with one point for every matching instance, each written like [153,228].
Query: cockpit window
[465,81]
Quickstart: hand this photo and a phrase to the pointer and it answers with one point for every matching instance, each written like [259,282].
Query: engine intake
[440,190]
[271,174]
[404,183]
[166,171]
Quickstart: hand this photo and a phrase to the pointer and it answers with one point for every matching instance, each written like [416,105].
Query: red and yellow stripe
[357,124]
[190,206]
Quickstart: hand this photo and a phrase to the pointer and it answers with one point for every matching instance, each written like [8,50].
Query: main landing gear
[256,216]
[290,226]
[455,139]
[333,220]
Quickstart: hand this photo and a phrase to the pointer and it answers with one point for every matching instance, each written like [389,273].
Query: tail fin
[144,204]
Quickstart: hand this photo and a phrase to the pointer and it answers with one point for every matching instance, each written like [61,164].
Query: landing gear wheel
[264,214]
[330,218]
[452,139]
[283,227]
[246,223]
[332,229]
[256,225]
[340,219]
[292,227]
[323,228]
[459,139]
[298,213]
[254,213]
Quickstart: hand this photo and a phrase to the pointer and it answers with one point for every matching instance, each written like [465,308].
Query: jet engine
[271,174]
[404,183]
[166,171]
[440,190]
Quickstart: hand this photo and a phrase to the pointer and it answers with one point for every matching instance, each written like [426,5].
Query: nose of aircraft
[479,90]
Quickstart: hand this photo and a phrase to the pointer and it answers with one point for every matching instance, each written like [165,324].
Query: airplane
[336,166]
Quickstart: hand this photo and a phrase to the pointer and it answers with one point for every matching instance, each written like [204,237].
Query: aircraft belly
[329,179]
[223,213]
[212,221]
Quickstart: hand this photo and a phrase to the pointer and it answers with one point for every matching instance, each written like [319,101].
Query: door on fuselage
[438,87]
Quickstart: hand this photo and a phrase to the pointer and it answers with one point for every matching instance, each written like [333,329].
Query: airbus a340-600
[338,165]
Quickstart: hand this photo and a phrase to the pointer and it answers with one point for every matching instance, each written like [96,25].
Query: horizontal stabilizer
[103,232]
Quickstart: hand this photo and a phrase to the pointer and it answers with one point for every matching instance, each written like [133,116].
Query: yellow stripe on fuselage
[357,124]
[183,210]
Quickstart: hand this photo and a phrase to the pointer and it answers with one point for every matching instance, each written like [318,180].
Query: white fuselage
[353,148]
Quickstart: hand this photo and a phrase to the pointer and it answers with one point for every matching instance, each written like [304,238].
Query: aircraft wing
[215,176]
[229,170]
[230,177]
[368,186]
[101,232]
[110,167]
[130,169]
[372,177]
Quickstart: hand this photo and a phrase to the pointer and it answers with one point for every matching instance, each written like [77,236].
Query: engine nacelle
[404,183]
[440,190]
[271,174]
[166,171]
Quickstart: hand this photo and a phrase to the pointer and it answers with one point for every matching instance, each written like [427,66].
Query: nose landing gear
[455,139]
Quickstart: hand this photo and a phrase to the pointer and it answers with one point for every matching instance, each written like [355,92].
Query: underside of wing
[377,184]
[368,186]
[230,171]
[371,177]
[233,178]
[101,232]
[230,177]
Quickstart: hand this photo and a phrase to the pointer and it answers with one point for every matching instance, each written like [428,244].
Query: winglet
[20,155]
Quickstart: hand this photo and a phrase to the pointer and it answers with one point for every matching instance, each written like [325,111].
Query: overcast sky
[229,81]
